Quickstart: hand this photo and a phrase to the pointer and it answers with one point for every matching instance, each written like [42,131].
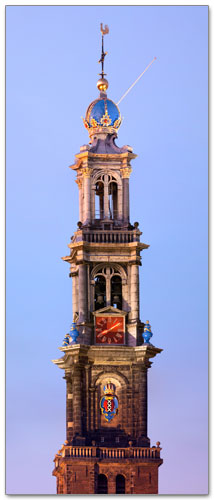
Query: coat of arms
[109,402]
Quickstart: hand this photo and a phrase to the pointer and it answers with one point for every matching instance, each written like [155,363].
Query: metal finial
[104,31]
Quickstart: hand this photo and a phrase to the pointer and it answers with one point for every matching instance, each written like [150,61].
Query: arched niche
[102,484]
[120,484]
[121,384]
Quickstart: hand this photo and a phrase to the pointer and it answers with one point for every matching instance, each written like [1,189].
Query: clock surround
[109,327]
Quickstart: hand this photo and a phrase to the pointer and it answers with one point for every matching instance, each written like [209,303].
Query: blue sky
[52,69]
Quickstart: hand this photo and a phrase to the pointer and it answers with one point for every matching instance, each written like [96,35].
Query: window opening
[120,484]
[112,200]
[100,292]
[99,200]
[116,291]
[102,484]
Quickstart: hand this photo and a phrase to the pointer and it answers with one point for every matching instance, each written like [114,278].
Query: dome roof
[102,113]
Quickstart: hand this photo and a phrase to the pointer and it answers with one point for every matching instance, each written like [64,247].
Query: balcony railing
[113,236]
[110,453]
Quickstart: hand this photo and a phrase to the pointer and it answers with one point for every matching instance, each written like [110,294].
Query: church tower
[108,352]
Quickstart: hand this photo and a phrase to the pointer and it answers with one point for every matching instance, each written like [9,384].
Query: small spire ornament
[71,338]
[147,334]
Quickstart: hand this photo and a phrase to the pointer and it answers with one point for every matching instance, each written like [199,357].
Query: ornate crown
[109,388]
[102,114]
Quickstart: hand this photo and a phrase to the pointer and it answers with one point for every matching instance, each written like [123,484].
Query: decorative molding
[86,172]
[126,172]
[79,182]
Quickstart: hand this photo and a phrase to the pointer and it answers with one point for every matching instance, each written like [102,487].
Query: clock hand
[108,330]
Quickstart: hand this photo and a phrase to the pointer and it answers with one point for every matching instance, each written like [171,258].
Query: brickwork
[86,374]
[124,443]
[82,478]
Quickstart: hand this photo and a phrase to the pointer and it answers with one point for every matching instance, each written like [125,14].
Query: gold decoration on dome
[117,123]
[105,120]
[126,172]
[86,124]
[102,84]
[86,172]
[94,123]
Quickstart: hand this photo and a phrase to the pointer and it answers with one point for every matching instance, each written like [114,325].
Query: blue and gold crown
[109,388]
[102,114]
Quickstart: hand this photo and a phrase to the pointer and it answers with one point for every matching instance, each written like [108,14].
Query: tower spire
[104,31]
[102,83]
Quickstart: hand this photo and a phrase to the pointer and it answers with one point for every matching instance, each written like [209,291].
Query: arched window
[102,484]
[100,292]
[99,200]
[105,187]
[112,199]
[116,291]
[120,484]
[108,288]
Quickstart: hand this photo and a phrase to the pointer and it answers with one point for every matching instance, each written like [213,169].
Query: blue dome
[102,113]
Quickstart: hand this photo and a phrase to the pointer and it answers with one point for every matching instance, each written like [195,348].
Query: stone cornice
[86,155]
[87,245]
[119,355]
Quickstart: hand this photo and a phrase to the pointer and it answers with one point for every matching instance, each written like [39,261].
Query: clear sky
[52,69]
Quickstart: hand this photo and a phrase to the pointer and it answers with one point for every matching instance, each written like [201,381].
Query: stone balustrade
[104,236]
[110,453]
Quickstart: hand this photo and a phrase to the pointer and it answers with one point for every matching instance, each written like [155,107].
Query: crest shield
[109,402]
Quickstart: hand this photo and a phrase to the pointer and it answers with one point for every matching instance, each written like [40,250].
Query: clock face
[109,329]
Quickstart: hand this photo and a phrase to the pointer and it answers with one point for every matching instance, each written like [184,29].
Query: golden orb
[102,84]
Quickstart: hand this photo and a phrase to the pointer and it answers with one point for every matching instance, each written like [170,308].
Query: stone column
[77,400]
[93,216]
[75,305]
[106,205]
[79,183]
[108,287]
[92,408]
[86,172]
[83,303]
[119,202]
[144,402]
[140,400]
[125,295]
[126,172]
[87,394]
[69,409]
[134,302]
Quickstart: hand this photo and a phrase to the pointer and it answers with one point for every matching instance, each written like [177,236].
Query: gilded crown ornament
[109,388]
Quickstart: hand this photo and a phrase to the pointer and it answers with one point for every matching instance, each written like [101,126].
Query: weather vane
[104,31]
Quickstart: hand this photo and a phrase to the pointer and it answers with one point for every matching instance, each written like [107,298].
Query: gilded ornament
[105,120]
[117,123]
[86,172]
[94,123]
[79,182]
[86,124]
[126,172]
[102,84]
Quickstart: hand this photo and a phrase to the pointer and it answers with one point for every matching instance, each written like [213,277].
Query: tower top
[102,83]
[103,115]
